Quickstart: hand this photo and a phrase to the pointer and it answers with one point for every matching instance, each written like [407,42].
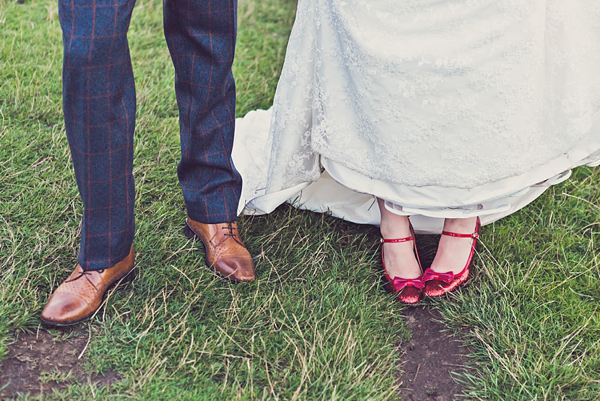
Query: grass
[306,329]
[533,309]
[317,323]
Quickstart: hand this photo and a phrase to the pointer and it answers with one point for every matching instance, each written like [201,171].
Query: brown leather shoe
[81,293]
[225,252]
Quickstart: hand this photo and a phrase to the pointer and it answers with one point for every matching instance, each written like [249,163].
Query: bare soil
[40,362]
[431,359]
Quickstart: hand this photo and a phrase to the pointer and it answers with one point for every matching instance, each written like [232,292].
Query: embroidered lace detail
[435,93]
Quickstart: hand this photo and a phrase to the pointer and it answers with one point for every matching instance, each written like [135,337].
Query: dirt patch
[431,358]
[40,362]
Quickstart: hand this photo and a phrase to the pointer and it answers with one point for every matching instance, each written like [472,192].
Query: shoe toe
[236,268]
[410,295]
[435,288]
[65,308]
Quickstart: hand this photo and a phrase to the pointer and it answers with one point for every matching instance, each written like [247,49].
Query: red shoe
[438,284]
[409,291]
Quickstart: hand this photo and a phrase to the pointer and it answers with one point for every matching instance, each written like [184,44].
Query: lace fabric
[444,93]
[428,103]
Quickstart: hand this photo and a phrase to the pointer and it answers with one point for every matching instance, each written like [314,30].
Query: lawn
[317,323]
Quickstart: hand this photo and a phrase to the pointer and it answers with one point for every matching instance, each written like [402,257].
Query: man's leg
[99,110]
[201,38]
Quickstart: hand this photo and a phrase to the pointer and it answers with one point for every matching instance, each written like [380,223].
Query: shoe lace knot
[86,274]
[230,230]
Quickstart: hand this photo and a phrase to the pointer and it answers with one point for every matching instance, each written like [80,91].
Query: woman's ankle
[460,225]
[453,253]
[393,225]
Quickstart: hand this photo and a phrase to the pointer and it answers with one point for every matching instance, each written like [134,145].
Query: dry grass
[317,323]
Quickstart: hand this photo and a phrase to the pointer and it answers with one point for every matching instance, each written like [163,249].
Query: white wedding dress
[442,108]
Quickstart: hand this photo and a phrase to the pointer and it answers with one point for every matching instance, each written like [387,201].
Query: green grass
[317,323]
[308,328]
[533,309]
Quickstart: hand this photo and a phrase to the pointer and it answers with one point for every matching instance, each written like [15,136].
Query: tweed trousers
[99,109]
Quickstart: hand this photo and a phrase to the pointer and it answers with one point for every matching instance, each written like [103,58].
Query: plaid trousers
[99,109]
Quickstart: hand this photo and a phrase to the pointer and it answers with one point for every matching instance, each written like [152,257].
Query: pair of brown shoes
[81,294]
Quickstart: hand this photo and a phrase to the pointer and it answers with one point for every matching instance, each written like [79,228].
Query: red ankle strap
[474,235]
[396,240]
[459,235]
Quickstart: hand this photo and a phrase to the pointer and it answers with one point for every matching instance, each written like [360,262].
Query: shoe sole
[190,234]
[124,279]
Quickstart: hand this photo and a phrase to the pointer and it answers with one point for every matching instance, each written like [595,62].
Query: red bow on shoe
[431,275]
[400,283]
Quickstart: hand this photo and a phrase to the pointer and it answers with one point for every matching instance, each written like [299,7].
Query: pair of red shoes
[431,284]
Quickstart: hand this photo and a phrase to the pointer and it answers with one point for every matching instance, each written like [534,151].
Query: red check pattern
[99,108]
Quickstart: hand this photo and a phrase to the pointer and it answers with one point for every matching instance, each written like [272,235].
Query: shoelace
[231,232]
[85,273]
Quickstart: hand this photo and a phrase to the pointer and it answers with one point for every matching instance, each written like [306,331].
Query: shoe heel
[128,278]
[123,281]
[188,232]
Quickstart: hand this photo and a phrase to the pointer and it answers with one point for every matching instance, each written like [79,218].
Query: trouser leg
[99,111]
[201,38]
